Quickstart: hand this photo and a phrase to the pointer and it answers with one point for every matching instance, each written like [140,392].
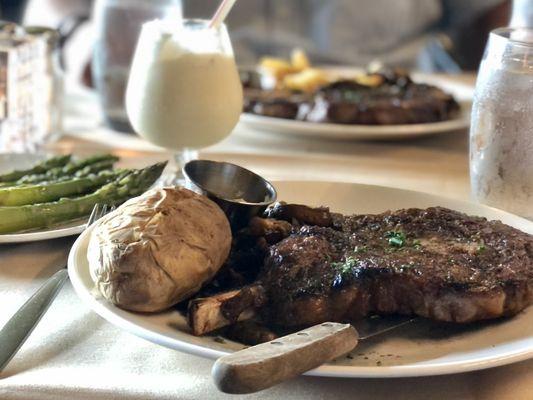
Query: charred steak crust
[396,100]
[434,262]
[346,102]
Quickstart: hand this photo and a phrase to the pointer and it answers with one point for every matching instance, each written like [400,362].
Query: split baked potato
[158,249]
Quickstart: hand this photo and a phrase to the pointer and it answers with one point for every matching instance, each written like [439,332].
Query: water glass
[117,27]
[501,134]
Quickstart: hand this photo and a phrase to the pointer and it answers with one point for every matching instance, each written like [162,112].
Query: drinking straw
[221,13]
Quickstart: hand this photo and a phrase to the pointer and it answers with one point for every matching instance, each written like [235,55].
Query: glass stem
[181,158]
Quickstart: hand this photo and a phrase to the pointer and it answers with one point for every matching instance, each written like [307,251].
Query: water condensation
[501,148]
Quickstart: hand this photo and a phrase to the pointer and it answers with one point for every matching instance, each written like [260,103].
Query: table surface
[75,354]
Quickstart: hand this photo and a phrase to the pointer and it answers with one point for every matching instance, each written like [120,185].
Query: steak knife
[265,365]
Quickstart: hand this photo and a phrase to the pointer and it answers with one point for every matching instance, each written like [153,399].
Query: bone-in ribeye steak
[436,263]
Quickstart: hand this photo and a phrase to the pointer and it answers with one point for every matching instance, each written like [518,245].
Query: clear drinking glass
[522,14]
[501,134]
[184,91]
[117,25]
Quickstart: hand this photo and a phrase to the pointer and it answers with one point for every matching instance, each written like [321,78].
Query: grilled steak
[347,102]
[273,103]
[436,263]
[395,99]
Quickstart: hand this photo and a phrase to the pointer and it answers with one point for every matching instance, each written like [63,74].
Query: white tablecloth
[74,354]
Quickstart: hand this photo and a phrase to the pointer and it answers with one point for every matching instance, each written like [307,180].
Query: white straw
[221,13]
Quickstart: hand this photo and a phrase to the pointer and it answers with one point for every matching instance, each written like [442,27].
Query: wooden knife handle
[265,365]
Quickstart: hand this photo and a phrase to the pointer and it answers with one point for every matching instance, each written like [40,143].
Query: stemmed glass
[184,91]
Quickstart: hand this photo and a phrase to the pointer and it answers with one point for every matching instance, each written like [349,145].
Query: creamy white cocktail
[184,90]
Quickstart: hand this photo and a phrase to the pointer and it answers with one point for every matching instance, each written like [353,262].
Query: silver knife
[265,365]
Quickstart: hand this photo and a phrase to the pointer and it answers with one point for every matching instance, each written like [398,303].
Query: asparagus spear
[42,193]
[39,168]
[72,167]
[41,215]
[89,165]
[55,176]
[95,168]
[84,167]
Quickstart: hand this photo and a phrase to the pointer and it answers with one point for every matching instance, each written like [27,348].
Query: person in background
[12,10]
[430,35]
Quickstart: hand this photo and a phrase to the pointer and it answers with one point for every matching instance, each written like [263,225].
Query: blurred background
[430,35]
[97,38]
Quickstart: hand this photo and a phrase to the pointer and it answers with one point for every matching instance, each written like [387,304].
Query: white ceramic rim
[433,369]
[52,233]
[353,132]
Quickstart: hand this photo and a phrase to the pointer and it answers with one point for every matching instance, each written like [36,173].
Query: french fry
[371,80]
[299,60]
[307,81]
[276,67]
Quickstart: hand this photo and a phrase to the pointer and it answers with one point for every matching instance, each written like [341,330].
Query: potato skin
[158,249]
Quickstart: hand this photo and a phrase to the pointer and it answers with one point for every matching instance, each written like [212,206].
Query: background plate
[354,132]
[10,161]
[420,349]
[462,92]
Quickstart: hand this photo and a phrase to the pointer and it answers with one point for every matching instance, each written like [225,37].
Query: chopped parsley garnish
[344,270]
[396,239]
[346,266]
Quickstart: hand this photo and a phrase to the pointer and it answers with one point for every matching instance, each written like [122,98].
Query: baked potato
[158,249]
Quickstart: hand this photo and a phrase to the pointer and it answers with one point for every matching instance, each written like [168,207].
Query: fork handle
[18,328]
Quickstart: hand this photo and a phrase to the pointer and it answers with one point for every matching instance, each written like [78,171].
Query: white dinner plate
[353,132]
[424,348]
[462,92]
[11,161]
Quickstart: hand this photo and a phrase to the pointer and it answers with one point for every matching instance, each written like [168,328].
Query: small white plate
[11,161]
[422,349]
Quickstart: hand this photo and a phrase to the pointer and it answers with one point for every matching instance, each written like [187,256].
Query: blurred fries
[299,60]
[371,80]
[276,67]
[295,74]
[299,75]
[307,80]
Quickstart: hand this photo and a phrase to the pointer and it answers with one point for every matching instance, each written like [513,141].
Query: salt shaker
[53,82]
[29,93]
[501,134]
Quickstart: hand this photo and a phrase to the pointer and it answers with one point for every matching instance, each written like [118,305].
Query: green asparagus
[95,168]
[41,215]
[42,193]
[39,168]
[54,177]
[89,165]
[72,167]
